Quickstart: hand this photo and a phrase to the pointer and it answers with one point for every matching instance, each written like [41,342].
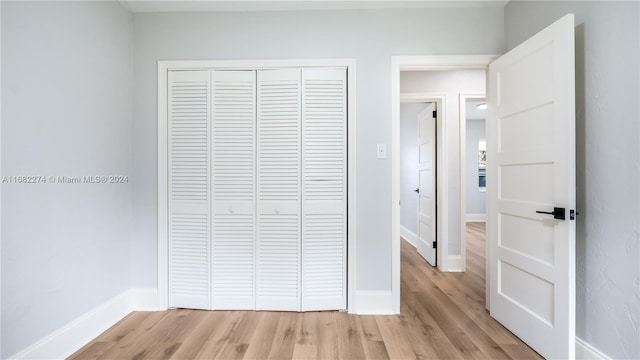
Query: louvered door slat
[234,140]
[189,189]
[324,158]
[278,160]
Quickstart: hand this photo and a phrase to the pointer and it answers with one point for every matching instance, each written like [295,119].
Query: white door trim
[414,63]
[165,66]
[463,98]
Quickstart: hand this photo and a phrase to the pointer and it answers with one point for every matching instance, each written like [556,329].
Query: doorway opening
[419,185]
[473,167]
[531,202]
[450,219]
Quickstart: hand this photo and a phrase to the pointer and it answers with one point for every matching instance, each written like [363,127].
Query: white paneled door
[257,194]
[427,184]
[531,187]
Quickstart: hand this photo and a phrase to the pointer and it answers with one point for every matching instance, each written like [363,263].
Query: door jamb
[415,63]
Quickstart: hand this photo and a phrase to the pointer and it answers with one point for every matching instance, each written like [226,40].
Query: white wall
[0,185]
[409,165]
[608,162]
[66,111]
[450,83]
[369,37]
[475,199]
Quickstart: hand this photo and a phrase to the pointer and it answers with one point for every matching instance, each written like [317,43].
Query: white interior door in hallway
[257,163]
[531,190]
[427,184]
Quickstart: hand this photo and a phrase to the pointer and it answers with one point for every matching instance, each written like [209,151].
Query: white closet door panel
[323,286]
[233,189]
[324,158]
[229,207]
[278,190]
[189,191]
[324,207]
[234,135]
[233,271]
[278,262]
[279,134]
[324,134]
[275,207]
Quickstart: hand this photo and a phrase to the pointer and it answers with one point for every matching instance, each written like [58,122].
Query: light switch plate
[381,152]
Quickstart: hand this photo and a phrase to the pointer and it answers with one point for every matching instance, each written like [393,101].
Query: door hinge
[435,113]
[573,214]
[435,244]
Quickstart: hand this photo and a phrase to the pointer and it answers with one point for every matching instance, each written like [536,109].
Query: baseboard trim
[409,235]
[454,263]
[70,338]
[476,217]
[65,341]
[585,351]
[374,303]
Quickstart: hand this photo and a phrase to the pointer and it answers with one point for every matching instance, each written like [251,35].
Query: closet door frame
[163,69]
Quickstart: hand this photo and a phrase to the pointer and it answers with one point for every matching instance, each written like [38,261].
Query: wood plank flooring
[443,316]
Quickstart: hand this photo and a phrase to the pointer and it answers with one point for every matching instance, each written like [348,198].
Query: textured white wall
[0,186]
[475,199]
[369,37]
[66,110]
[409,164]
[450,83]
[608,155]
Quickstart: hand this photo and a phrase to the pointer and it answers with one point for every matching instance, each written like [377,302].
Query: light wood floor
[442,317]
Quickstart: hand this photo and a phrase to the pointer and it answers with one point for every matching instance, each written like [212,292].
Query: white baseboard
[409,235]
[374,303]
[70,338]
[454,263]
[585,351]
[65,341]
[476,217]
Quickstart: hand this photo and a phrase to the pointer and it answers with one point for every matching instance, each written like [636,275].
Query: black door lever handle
[417,191]
[558,213]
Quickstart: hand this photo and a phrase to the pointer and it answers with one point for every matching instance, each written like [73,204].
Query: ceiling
[473,113]
[139,6]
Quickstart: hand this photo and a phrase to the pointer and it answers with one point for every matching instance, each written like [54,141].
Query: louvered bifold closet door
[278,160]
[234,110]
[324,208]
[189,189]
